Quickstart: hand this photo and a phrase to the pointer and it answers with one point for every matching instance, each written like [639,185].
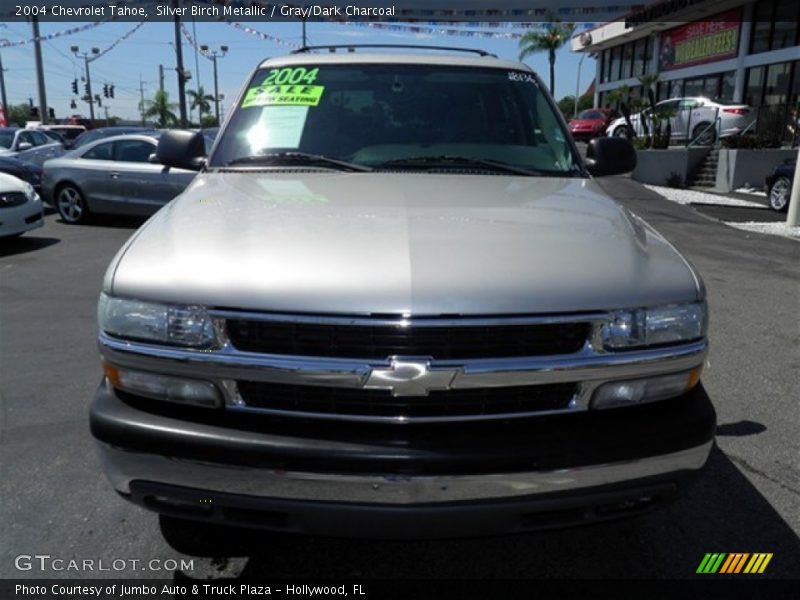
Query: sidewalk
[740,210]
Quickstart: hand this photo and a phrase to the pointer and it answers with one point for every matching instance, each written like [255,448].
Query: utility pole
[304,32]
[85,56]
[3,85]
[196,66]
[37,51]
[161,77]
[214,56]
[141,96]
[179,69]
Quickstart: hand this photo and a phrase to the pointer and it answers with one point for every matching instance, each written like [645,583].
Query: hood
[423,244]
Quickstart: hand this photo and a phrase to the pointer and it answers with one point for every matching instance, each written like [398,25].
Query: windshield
[591,114]
[6,139]
[373,114]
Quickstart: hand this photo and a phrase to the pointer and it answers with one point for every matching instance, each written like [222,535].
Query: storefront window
[728,86]
[755,86]
[694,87]
[785,32]
[675,88]
[604,77]
[639,57]
[775,25]
[762,24]
[776,90]
[627,60]
[616,59]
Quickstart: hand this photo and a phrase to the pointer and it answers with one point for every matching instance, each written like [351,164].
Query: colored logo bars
[737,562]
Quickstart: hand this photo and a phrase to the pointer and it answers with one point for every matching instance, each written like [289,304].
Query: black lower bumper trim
[440,521]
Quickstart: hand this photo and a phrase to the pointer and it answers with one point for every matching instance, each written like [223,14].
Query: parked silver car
[28,145]
[112,176]
[692,118]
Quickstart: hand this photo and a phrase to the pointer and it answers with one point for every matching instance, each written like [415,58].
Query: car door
[25,147]
[46,146]
[692,113]
[148,186]
[90,171]
[670,107]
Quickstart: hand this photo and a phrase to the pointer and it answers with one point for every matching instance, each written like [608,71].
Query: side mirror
[610,156]
[181,149]
[22,146]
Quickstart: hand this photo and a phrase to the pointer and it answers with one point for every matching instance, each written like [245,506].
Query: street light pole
[578,84]
[214,55]
[85,56]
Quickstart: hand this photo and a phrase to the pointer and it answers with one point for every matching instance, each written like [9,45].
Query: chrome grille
[378,341]
[376,405]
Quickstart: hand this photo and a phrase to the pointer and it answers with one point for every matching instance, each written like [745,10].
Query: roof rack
[354,47]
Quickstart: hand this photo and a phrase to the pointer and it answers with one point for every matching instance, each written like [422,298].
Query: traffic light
[75,86]
[72,104]
[97,99]
[111,90]
[105,90]
[86,89]
[35,112]
[51,112]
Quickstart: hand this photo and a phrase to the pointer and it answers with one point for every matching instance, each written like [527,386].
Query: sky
[138,56]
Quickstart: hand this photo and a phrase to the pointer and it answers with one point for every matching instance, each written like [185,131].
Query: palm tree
[548,41]
[200,101]
[161,107]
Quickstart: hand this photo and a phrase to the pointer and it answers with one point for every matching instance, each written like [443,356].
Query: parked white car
[693,118]
[20,207]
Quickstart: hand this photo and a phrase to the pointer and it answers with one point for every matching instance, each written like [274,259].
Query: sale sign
[716,38]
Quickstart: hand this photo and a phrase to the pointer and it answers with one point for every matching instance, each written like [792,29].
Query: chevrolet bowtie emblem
[410,377]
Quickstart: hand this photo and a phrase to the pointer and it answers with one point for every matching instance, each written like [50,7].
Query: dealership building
[744,51]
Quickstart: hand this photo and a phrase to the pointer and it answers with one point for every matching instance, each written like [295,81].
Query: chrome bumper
[123,467]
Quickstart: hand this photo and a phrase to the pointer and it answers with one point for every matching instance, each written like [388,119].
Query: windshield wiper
[297,158]
[464,161]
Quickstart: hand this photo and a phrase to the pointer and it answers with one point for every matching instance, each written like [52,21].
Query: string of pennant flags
[117,41]
[262,35]
[50,36]
[425,29]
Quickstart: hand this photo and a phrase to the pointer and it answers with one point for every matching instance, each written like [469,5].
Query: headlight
[154,322]
[655,326]
[30,193]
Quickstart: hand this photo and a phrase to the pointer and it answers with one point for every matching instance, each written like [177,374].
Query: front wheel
[71,205]
[622,131]
[779,194]
[704,134]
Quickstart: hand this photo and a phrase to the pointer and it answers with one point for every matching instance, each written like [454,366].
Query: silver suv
[395,303]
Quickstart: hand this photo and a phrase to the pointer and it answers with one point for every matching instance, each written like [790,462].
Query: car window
[133,150]
[39,139]
[6,139]
[689,103]
[373,113]
[100,152]
[591,114]
[25,137]
[86,138]
[668,104]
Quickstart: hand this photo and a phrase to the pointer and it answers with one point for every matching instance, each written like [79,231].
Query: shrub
[674,180]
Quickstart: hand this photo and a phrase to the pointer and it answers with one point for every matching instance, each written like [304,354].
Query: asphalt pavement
[56,501]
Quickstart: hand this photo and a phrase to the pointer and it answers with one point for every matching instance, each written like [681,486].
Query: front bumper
[18,219]
[425,481]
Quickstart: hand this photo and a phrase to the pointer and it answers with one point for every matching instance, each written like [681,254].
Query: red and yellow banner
[716,38]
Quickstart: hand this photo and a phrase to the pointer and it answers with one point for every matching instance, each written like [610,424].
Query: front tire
[778,194]
[623,131]
[704,138]
[71,205]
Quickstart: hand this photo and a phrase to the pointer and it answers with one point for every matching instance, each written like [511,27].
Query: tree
[567,105]
[549,41]
[18,114]
[200,101]
[161,107]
